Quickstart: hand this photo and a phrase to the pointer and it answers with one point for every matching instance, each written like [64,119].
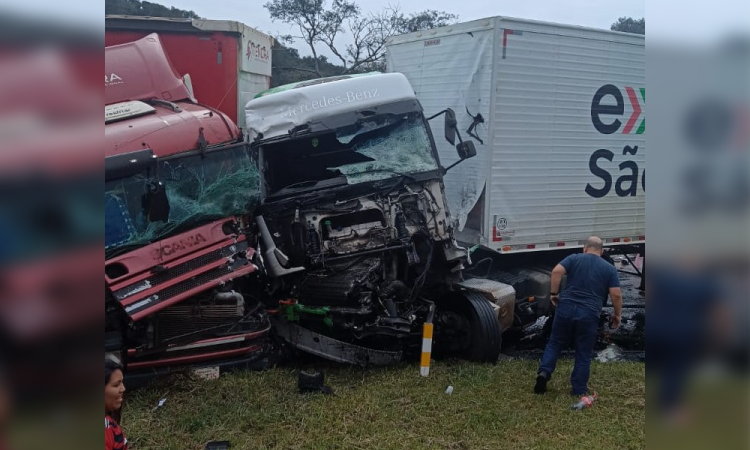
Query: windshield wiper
[120,249]
[187,224]
[308,183]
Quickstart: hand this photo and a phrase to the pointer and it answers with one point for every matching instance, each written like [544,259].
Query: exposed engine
[370,263]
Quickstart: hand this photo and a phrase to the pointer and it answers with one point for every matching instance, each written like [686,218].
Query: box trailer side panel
[568,136]
[452,68]
[254,74]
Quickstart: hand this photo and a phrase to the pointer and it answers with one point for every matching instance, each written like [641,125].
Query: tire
[476,336]
[486,336]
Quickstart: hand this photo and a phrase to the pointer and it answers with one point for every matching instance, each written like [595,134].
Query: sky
[591,13]
[691,21]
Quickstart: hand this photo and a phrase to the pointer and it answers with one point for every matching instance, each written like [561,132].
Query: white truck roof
[275,112]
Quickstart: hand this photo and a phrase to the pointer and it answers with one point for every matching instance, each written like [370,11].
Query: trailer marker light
[531,246]
[506,248]
[626,239]
[561,244]
[616,240]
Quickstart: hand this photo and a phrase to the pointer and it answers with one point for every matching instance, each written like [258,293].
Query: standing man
[590,278]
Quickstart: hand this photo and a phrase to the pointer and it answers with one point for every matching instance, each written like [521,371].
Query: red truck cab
[179,183]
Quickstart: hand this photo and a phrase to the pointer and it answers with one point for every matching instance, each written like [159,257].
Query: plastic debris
[449,390]
[585,402]
[611,353]
[312,381]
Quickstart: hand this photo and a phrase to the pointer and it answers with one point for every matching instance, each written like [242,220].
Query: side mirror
[157,203]
[450,126]
[466,150]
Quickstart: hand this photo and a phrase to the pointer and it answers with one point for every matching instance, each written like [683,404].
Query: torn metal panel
[333,349]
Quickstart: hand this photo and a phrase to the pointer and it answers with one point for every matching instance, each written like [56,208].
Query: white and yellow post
[427,331]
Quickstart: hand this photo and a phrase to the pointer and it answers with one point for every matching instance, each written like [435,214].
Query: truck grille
[180,270]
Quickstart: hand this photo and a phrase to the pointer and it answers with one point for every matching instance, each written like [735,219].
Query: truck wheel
[479,332]
[486,335]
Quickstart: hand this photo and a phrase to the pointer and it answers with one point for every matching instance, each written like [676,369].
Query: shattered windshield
[375,148]
[200,188]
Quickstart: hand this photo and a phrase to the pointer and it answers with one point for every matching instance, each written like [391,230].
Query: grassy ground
[492,407]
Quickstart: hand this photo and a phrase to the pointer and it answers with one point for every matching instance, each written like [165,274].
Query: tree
[323,24]
[630,25]
[425,20]
[290,67]
[145,8]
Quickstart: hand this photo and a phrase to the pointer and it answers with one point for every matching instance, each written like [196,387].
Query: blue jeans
[579,324]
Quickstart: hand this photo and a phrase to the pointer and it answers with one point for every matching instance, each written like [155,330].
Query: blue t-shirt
[589,280]
[680,304]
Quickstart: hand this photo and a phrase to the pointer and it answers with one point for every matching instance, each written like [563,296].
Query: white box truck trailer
[558,116]
[557,113]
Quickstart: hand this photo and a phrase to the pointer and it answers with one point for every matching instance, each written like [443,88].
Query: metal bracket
[333,349]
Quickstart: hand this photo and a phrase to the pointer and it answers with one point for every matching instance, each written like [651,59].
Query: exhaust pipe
[274,258]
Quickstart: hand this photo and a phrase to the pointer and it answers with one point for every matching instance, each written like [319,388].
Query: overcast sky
[693,21]
[592,13]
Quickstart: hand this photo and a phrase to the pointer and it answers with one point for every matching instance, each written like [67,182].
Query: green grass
[492,407]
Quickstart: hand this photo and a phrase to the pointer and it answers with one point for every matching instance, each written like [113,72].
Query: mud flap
[333,349]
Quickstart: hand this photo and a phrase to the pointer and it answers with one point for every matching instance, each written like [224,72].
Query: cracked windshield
[200,188]
[383,147]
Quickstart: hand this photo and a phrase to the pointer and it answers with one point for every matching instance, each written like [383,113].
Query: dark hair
[110,367]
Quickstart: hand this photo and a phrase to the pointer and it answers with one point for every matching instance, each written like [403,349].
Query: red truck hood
[168,132]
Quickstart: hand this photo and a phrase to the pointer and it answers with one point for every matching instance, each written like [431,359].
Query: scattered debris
[217,445]
[449,390]
[585,402]
[312,382]
[160,404]
[611,353]
[207,373]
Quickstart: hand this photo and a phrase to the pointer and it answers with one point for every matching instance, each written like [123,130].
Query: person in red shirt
[114,438]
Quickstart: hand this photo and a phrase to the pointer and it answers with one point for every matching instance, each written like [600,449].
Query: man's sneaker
[541,383]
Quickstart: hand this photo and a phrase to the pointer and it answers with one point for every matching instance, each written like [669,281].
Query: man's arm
[615,294]
[554,284]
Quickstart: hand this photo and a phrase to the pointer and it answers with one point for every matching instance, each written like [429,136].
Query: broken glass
[200,188]
[393,145]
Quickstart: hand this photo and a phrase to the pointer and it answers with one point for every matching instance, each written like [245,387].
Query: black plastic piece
[312,382]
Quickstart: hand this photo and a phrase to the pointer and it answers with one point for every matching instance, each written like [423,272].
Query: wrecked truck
[178,256]
[356,237]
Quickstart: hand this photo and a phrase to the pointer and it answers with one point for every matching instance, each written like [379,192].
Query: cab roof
[275,112]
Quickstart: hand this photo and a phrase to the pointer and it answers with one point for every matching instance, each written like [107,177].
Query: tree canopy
[144,8]
[630,25]
[322,24]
